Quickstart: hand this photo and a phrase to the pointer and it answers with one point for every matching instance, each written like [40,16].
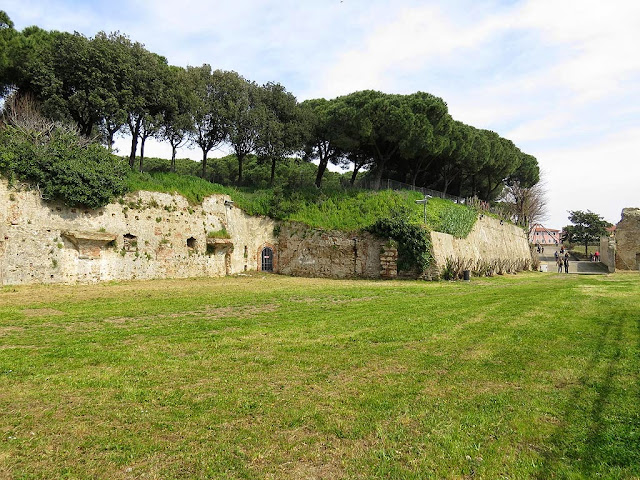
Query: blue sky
[559,78]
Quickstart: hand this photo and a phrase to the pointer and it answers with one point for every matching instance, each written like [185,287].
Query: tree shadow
[585,442]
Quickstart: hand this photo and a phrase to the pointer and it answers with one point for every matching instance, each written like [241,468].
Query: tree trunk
[132,154]
[445,182]
[240,160]
[111,133]
[204,163]
[110,142]
[448,182]
[134,128]
[377,180]
[273,171]
[354,174]
[142,142]
[414,177]
[322,166]
[173,157]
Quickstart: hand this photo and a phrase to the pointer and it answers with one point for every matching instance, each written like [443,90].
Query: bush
[63,165]
[414,245]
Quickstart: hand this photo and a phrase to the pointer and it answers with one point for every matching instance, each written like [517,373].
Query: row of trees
[413,139]
[109,84]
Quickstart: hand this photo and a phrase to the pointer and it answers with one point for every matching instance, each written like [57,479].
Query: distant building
[541,235]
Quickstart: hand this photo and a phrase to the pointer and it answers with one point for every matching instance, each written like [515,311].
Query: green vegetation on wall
[414,244]
[452,218]
[386,213]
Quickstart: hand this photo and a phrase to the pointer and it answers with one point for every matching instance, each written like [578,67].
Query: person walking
[559,263]
[566,263]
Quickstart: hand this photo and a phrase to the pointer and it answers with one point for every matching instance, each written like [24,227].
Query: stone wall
[147,235]
[627,238]
[308,252]
[150,235]
[489,245]
[608,252]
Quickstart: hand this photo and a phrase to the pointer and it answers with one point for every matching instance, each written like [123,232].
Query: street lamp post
[424,202]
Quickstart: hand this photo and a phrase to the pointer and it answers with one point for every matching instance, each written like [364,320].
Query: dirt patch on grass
[243,311]
[476,354]
[209,312]
[304,453]
[9,330]
[332,300]
[41,312]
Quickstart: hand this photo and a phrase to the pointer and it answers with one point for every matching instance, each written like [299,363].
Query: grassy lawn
[527,376]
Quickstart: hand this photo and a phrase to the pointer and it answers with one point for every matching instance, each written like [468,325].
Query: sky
[560,78]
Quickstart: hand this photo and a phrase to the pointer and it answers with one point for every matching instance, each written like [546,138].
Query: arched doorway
[266,257]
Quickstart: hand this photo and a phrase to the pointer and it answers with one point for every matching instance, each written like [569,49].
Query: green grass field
[527,376]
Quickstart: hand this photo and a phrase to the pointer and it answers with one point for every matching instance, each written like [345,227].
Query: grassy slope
[330,209]
[270,377]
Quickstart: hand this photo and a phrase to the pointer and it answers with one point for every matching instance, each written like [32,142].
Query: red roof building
[541,235]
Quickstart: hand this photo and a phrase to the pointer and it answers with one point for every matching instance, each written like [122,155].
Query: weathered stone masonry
[310,252]
[151,235]
[622,252]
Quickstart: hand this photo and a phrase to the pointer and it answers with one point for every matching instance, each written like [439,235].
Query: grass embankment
[332,209]
[532,376]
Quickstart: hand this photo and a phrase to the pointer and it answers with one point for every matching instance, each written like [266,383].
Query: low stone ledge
[220,243]
[77,237]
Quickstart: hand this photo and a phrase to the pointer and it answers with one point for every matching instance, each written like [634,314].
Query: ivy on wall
[414,243]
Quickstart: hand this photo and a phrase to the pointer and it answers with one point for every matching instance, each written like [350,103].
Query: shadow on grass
[597,435]
[591,267]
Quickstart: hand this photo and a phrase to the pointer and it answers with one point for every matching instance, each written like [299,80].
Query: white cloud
[600,176]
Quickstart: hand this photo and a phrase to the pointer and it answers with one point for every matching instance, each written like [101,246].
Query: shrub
[414,245]
[63,165]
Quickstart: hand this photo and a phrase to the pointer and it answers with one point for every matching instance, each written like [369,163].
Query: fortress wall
[627,238]
[42,242]
[608,252]
[308,252]
[489,242]
[35,245]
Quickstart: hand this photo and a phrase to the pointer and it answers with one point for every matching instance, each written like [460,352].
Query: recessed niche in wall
[130,242]
[191,243]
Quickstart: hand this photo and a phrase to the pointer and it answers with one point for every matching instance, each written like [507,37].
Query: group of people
[595,257]
[562,260]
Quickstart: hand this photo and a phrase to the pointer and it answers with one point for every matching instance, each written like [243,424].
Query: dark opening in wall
[130,242]
[191,243]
